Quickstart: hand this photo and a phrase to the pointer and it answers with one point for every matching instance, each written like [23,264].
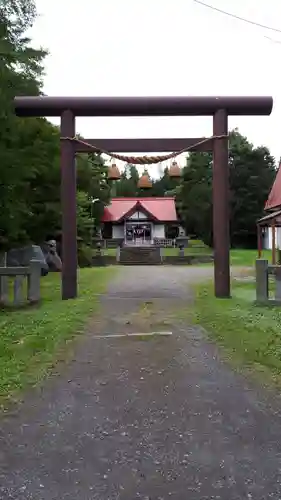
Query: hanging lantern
[174,170]
[145,181]
[113,173]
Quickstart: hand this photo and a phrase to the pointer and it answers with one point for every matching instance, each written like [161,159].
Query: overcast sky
[163,47]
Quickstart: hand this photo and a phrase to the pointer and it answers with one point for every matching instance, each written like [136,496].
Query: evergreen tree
[30,207]
[252,171]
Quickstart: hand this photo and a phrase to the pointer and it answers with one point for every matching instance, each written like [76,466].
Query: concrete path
[150,418]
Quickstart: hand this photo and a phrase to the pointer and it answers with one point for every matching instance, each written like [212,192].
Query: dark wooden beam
[221,206]
[142,106]
[144,145]
[68,208]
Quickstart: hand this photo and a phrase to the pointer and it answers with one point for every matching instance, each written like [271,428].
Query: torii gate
[217,107]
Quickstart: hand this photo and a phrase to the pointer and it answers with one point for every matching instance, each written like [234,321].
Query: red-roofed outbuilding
[274,198]
[269,226]
[139,220]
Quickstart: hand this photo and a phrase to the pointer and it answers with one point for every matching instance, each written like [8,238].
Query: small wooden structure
[32,273]
[175,171]
[113,173]
[145,181]
[272,219]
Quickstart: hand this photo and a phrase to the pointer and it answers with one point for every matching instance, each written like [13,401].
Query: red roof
[274,199]
[161,209]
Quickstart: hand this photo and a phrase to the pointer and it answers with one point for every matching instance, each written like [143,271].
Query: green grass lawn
[250,334]
[247,258]
[31,339]
[238,257]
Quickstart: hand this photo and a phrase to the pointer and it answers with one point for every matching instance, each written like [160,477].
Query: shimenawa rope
[143,160]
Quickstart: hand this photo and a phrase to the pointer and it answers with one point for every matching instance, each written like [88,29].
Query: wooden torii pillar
[217,107]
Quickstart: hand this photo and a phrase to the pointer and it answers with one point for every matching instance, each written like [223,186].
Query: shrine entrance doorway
[138,233]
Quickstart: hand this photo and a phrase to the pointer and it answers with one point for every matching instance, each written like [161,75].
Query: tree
[92,180]
[20,72]
[21,65]
[84,219]
[127,186]
[30,207]
[165,185]
[194,195]
[252,171]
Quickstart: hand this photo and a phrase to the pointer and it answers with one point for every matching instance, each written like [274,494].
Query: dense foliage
[30,148]
[252,172]
[164,185]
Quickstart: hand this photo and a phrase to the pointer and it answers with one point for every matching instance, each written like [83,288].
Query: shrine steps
[134,256]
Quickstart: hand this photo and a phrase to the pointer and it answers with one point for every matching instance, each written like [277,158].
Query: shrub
[85,254]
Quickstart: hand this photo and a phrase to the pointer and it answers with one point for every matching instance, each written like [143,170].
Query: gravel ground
[150,418]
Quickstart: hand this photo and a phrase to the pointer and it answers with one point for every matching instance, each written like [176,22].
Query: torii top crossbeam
[142,106]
